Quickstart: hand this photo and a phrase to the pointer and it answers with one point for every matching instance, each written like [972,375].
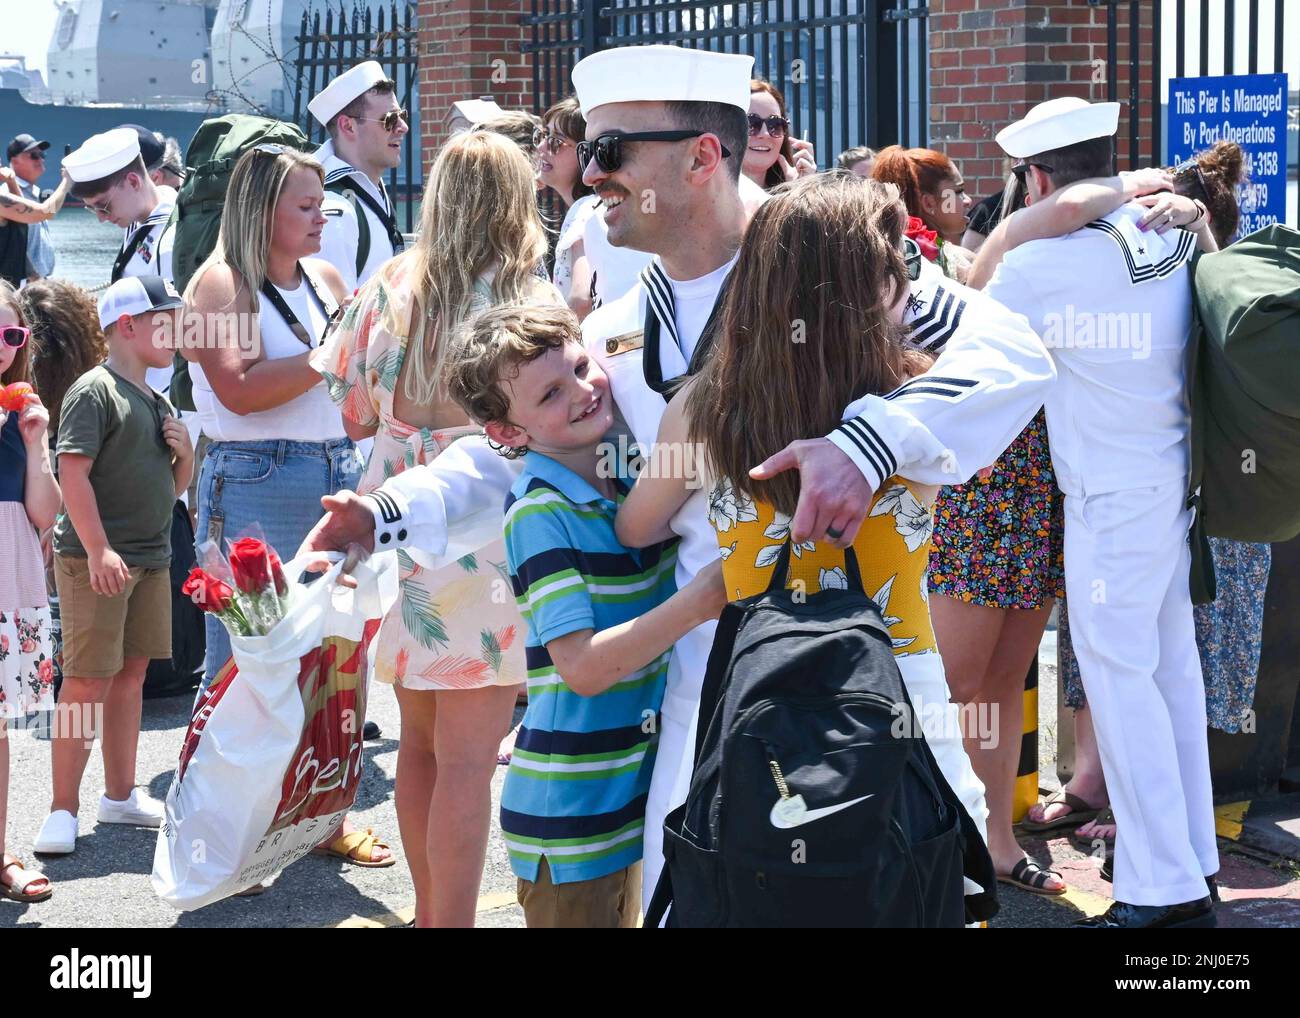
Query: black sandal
[1029,876]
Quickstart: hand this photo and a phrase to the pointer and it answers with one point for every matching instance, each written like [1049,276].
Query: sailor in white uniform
[108,173]
[1113,304]
[366,126]
[988,381]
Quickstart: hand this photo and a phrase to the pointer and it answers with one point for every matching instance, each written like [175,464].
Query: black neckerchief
[128,251]
[290,319]
[652,367]
[388,218]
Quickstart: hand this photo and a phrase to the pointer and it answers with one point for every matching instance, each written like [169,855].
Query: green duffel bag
[209,161]
[1245,390]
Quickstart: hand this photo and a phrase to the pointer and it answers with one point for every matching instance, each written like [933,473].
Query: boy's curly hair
[491,348]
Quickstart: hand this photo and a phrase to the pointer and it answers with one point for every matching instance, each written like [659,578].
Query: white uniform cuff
[861,443]
[392,519]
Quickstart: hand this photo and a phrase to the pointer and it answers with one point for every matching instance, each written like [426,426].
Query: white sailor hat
[355,81]
[102,154]
[137,295]
[1057,123]
[662,74]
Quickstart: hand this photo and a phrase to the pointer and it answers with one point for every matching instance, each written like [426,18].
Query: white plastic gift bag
[272,758]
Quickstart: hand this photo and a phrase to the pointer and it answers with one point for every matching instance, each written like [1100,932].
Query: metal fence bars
[328,47]
[853,71]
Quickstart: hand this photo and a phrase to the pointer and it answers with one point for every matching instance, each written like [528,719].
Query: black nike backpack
[815,801]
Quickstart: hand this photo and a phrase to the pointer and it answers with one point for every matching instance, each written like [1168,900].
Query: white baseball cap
[355,81]
[662,74]
[1057,123]
[102,154]
[137,295]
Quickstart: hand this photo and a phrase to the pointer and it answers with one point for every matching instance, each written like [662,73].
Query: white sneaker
[139,810]
[58,834]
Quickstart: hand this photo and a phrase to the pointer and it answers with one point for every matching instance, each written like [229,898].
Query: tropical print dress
[892,549]
[452,628]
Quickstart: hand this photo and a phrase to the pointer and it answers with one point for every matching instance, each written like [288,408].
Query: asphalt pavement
[105,883]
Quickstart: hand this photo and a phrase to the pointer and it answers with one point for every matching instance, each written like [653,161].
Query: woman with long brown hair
[803,336]
[451,645]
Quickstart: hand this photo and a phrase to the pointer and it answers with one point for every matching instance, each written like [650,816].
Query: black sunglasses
[1021,170]
[776,126]
[14,336]
[607,149]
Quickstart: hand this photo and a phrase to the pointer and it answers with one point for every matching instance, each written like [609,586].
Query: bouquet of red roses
[246,588]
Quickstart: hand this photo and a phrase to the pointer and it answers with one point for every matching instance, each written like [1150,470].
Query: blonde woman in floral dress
[452,644]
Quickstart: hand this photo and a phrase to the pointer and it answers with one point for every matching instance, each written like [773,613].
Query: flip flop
[357,847]
[1080,813]
[18,892]
[1104,816]
[1029,876]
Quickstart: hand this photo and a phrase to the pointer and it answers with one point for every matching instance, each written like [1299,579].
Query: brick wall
[468,49]
[991,60]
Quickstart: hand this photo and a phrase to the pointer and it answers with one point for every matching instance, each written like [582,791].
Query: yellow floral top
[892,549]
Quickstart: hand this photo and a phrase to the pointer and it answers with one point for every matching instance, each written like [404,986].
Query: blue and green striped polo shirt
[576,789]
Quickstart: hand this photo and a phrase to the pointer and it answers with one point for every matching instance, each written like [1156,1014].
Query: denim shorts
[274,484]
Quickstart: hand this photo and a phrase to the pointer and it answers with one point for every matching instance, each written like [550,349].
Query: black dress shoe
[1108,875]
[370,731]
[1197,914]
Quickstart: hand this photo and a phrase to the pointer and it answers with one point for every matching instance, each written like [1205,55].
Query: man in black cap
[26,249]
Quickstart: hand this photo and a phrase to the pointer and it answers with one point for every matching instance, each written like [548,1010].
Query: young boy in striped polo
[601,620]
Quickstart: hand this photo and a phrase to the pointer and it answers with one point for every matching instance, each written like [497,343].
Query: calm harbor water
[86,248]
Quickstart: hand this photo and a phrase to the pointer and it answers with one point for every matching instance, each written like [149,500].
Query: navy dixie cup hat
[152,150]
[24,143]
[137,295]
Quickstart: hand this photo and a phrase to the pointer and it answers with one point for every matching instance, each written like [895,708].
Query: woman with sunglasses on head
[29,501]
[451,645]
[772,156]
[563,127]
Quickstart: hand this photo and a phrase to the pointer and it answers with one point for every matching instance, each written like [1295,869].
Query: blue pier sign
[1249,109]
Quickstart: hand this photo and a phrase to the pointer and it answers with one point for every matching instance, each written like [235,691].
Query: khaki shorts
[610,902]
[100,633]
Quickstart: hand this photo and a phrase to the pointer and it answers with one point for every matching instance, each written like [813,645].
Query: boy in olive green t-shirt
[124,457]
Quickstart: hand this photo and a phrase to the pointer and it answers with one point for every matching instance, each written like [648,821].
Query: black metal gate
[853,71]
[1181,38]
[329,46]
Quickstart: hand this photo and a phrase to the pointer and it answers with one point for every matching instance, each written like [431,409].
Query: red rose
[277,572]
[45,670]
[926,240]
[251,565]
[27,645]
[209,593]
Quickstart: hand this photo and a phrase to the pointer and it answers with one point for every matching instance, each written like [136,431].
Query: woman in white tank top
[277,444]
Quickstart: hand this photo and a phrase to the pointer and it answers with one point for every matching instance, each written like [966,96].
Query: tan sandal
[358,848]
[22,893]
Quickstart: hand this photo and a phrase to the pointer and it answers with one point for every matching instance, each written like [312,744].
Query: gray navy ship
[166,64]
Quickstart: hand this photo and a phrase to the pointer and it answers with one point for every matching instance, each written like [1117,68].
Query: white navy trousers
[1127,563]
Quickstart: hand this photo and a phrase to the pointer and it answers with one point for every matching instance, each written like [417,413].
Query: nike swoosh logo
[798,818]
